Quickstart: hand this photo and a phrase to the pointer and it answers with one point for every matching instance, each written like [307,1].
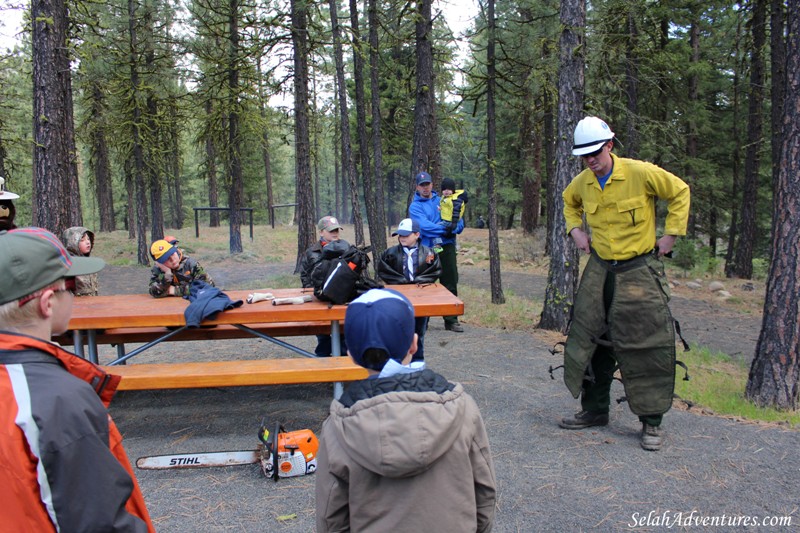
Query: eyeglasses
[595,153]
[69,286]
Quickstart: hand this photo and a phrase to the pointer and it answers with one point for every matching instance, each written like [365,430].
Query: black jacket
[312,257]
[390,266]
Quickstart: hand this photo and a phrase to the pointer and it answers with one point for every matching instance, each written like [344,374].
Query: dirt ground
[548,479]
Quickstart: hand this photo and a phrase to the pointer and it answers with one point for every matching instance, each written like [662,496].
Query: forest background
[144,109]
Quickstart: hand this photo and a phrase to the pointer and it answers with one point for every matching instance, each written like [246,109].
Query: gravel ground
[548,479]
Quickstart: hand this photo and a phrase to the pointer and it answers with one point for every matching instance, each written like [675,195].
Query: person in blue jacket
[424,208]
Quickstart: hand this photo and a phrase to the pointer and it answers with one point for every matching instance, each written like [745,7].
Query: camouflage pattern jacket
[181,278]
[84,285]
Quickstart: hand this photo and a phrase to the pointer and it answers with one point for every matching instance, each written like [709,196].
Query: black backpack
[341,273]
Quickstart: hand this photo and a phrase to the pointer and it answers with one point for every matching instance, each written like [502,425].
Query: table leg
[77,343]
[336,351]
[91,342]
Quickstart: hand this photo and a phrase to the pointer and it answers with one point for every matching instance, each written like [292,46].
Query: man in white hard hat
[621,318]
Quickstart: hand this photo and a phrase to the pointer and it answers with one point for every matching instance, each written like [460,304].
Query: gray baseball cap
[33,258]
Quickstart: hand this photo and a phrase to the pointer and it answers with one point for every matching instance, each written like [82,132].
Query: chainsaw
[281,454]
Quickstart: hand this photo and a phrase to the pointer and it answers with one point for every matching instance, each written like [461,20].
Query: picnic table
[141,318]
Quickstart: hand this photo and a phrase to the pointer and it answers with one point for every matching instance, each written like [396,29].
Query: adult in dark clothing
[329,228]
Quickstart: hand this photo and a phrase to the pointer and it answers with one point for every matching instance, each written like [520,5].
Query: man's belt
[622,266]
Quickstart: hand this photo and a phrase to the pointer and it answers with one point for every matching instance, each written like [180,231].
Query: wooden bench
[121,336]
[237,373]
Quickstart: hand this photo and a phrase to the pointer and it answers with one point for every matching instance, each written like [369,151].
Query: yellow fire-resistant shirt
[622,216]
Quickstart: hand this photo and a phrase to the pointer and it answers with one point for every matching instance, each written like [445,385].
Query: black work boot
[584,419]
[651,437]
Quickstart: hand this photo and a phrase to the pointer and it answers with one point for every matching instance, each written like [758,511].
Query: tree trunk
[174,165]
[377,234]
[377,155]
[531,176]
[736,164]
[99,160]
[562,280]
[348,165]
[552,194]
[691,123]
[211,171]
[153,170]
[137,165]
[424,112]
[265,152]
[743,256]
[55,178]
[491,155]
[236,191]
[632,82]
[777,21]
[305,208]
[775,371]
[130,206]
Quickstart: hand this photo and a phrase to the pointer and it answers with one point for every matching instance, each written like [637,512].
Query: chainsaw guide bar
[199,460]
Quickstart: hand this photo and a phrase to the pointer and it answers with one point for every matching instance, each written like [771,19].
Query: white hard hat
[4,194]
[590,135]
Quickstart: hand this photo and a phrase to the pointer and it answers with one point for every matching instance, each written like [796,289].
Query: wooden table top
[142,310]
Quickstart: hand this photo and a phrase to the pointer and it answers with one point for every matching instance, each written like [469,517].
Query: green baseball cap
[33,258]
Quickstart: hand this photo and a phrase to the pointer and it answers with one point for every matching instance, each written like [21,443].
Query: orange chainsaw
[281,454]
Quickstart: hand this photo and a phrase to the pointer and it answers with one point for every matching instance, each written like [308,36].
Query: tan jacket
[410,454]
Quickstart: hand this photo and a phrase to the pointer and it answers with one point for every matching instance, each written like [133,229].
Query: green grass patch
[717,382]
[516,314]
[283,281]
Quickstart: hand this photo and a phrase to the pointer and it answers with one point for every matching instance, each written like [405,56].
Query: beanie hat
[381,319]
[449,183]
[33,258]
[162,250]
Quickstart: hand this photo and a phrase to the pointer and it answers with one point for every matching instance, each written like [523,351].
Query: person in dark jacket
[410,261]
[62,464]
[405,449]
[329,228]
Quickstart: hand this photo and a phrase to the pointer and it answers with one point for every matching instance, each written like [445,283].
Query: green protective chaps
[638,324]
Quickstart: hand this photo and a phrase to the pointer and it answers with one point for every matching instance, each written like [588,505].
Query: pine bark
[348,164]
[377,150]
[56,197]
[424,112]
[236,190]
[562,280]
[305,208]
[99,161]
[743,256]
[775,371]
[372,202]
[491,159]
